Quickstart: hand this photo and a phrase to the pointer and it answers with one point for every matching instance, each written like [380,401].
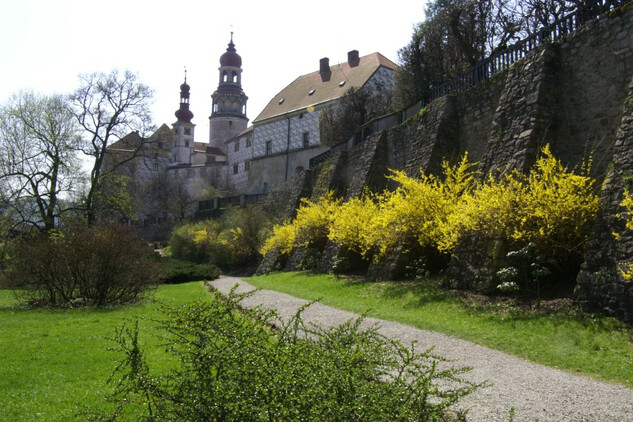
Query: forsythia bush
[310,226]
[423,210]
[627,203]
[551,207]
[351,222]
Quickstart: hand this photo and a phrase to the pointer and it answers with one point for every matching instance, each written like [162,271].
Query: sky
[45,45]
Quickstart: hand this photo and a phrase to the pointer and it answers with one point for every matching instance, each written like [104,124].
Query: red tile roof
[311,89]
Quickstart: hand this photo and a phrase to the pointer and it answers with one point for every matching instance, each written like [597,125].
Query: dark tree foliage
[95,265]
[229,365]
[458,34]
[357,107]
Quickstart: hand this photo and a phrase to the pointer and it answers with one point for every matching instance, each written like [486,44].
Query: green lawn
[597,346]
[54,362]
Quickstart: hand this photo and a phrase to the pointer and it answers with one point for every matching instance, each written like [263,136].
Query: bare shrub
[82,266]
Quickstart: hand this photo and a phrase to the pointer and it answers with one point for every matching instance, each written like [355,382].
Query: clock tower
[228,110]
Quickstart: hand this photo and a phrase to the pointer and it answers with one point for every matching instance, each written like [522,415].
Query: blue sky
[45,44]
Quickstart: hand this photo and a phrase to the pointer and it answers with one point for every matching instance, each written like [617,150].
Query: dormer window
[312,91]
[341,83]
[282,101]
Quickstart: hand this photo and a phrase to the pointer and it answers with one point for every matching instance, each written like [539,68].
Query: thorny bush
[232,366]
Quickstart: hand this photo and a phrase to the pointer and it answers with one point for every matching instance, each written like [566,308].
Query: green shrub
[230,242]
[178,271]
[82,266]
[232,367]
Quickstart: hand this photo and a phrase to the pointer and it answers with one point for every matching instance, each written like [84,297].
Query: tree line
[457,34]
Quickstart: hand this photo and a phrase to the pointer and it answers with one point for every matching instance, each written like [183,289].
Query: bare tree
[168,194]
[38,159]
[357,107]
[455,36]
[539,13]
[108,107]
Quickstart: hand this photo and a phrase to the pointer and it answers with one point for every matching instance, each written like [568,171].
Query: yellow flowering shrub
[558,206]
[551,207]
[313,220]
[283,238]
[310,226]
[493,209]
[627,203]
[351,221]
[422,209]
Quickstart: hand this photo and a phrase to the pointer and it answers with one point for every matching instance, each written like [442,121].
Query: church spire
[228,112]
[183,114]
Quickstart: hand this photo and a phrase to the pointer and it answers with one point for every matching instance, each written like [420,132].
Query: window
[236,168]
[247,165]
[306,139]
[248,142]
[269,147]
[187,131]
[187,144]
[236,148]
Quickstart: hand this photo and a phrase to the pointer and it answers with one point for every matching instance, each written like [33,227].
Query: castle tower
[228,110]
[183,147]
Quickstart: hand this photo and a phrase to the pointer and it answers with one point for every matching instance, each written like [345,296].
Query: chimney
[352,58]
[324,65]
[324,69]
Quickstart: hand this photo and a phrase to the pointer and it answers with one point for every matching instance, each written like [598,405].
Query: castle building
[238,159]
[285,135]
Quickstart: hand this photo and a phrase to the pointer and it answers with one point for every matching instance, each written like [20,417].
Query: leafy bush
[178,271]
[83,266]
[231,366]
[231,242]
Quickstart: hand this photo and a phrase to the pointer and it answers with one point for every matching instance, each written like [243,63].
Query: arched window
[233,76]
[224,76]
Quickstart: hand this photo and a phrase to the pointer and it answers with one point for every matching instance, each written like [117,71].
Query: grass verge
[54,362]
[593,345]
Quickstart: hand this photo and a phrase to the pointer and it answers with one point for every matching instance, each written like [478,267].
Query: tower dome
[228,108]
[183,114]
[231,58]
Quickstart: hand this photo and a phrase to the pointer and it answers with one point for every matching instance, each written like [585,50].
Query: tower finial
[185,74]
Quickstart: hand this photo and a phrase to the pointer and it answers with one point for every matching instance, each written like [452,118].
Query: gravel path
[537,392]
